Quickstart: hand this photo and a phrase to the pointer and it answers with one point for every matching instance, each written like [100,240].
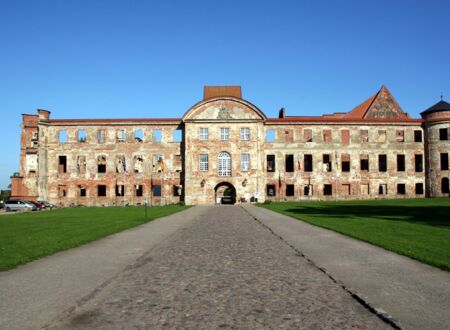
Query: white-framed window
[203,133]
[204,164]
[224,133]
[224,164]
[245,133]
[245,162]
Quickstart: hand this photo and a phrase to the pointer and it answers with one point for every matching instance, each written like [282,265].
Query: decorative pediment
[224,109]
[384,106]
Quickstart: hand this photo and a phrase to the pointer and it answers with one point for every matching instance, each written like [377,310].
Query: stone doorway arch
[225,193]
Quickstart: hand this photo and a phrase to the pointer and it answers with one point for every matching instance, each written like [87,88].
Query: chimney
[43,114]
[282,113]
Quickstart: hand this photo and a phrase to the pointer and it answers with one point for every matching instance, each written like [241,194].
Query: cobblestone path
[225,271]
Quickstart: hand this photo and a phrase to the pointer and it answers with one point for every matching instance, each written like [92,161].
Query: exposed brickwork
[96,163]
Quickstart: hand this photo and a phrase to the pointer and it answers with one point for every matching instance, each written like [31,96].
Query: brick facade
[225,145]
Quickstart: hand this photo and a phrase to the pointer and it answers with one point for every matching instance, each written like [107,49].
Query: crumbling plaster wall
[287,143]
[54,182]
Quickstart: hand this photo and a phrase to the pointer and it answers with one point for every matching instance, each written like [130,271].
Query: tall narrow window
[203,133]
[224,164]
[62,164]
[290,190]
[382,163]
[203,162]
[345,162]
[364,162]
[81,136]
[327,135]
[245,134]
[224,134]
[121,136]
[289,163]
[120,190]
[445,185]
[138,163]
[101,164]
[157,135]
[308,161]
[270,135]
[139,190]
[177,135]
[101,136]
[419,188]
[400,163]
[345,136]
[326,163]
[418,163]
[245,162]
[444,161]
[270,163]
[101,190]
[417,136]
[443,134]
[139,135]
[81,191]
[400,135]
[62,136]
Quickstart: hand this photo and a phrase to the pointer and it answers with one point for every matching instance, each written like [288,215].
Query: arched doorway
[225,193]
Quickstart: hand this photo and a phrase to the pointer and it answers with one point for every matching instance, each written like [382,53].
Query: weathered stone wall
[355,184]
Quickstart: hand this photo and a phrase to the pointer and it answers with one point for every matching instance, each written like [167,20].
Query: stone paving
[224,271]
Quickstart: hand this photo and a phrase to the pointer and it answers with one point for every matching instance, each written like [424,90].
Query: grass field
[417,228]
[28,236]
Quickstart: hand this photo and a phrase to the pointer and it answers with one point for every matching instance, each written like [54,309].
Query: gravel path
[223,271]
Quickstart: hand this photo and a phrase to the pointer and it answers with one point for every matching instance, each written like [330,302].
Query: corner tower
[437,147]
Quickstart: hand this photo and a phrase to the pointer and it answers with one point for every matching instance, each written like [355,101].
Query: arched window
[444,185]
[224,165]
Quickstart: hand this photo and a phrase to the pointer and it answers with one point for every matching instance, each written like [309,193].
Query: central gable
[224,109]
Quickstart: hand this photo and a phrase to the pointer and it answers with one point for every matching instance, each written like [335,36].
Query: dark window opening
[400,163]
[308,161]
[101,164]
[382,189]
[101,190]
[62,162]
[82,191]
[139,189]
[443,134]
[418,163]
[177,190]
[270,163]
[364,162]
[308,190]
[290,191]
[444,161]
[120,190]
[289,163]
[417,136]
[345,162]
[419,188]
[401,189]
[156,190]
[327,189]
[382,163]
[270,190]
[326,159]
[445,186]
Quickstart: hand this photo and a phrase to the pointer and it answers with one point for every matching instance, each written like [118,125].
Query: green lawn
[417,228]
[28,236]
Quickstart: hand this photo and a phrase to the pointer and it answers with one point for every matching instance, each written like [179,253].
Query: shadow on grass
[433,215]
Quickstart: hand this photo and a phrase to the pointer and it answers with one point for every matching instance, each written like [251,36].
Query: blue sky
[112,59]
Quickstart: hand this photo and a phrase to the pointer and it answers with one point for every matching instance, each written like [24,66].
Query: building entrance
[225,193]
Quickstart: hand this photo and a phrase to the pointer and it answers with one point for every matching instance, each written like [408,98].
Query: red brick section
[211,92]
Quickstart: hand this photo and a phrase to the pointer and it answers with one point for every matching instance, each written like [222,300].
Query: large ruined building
[224,145]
